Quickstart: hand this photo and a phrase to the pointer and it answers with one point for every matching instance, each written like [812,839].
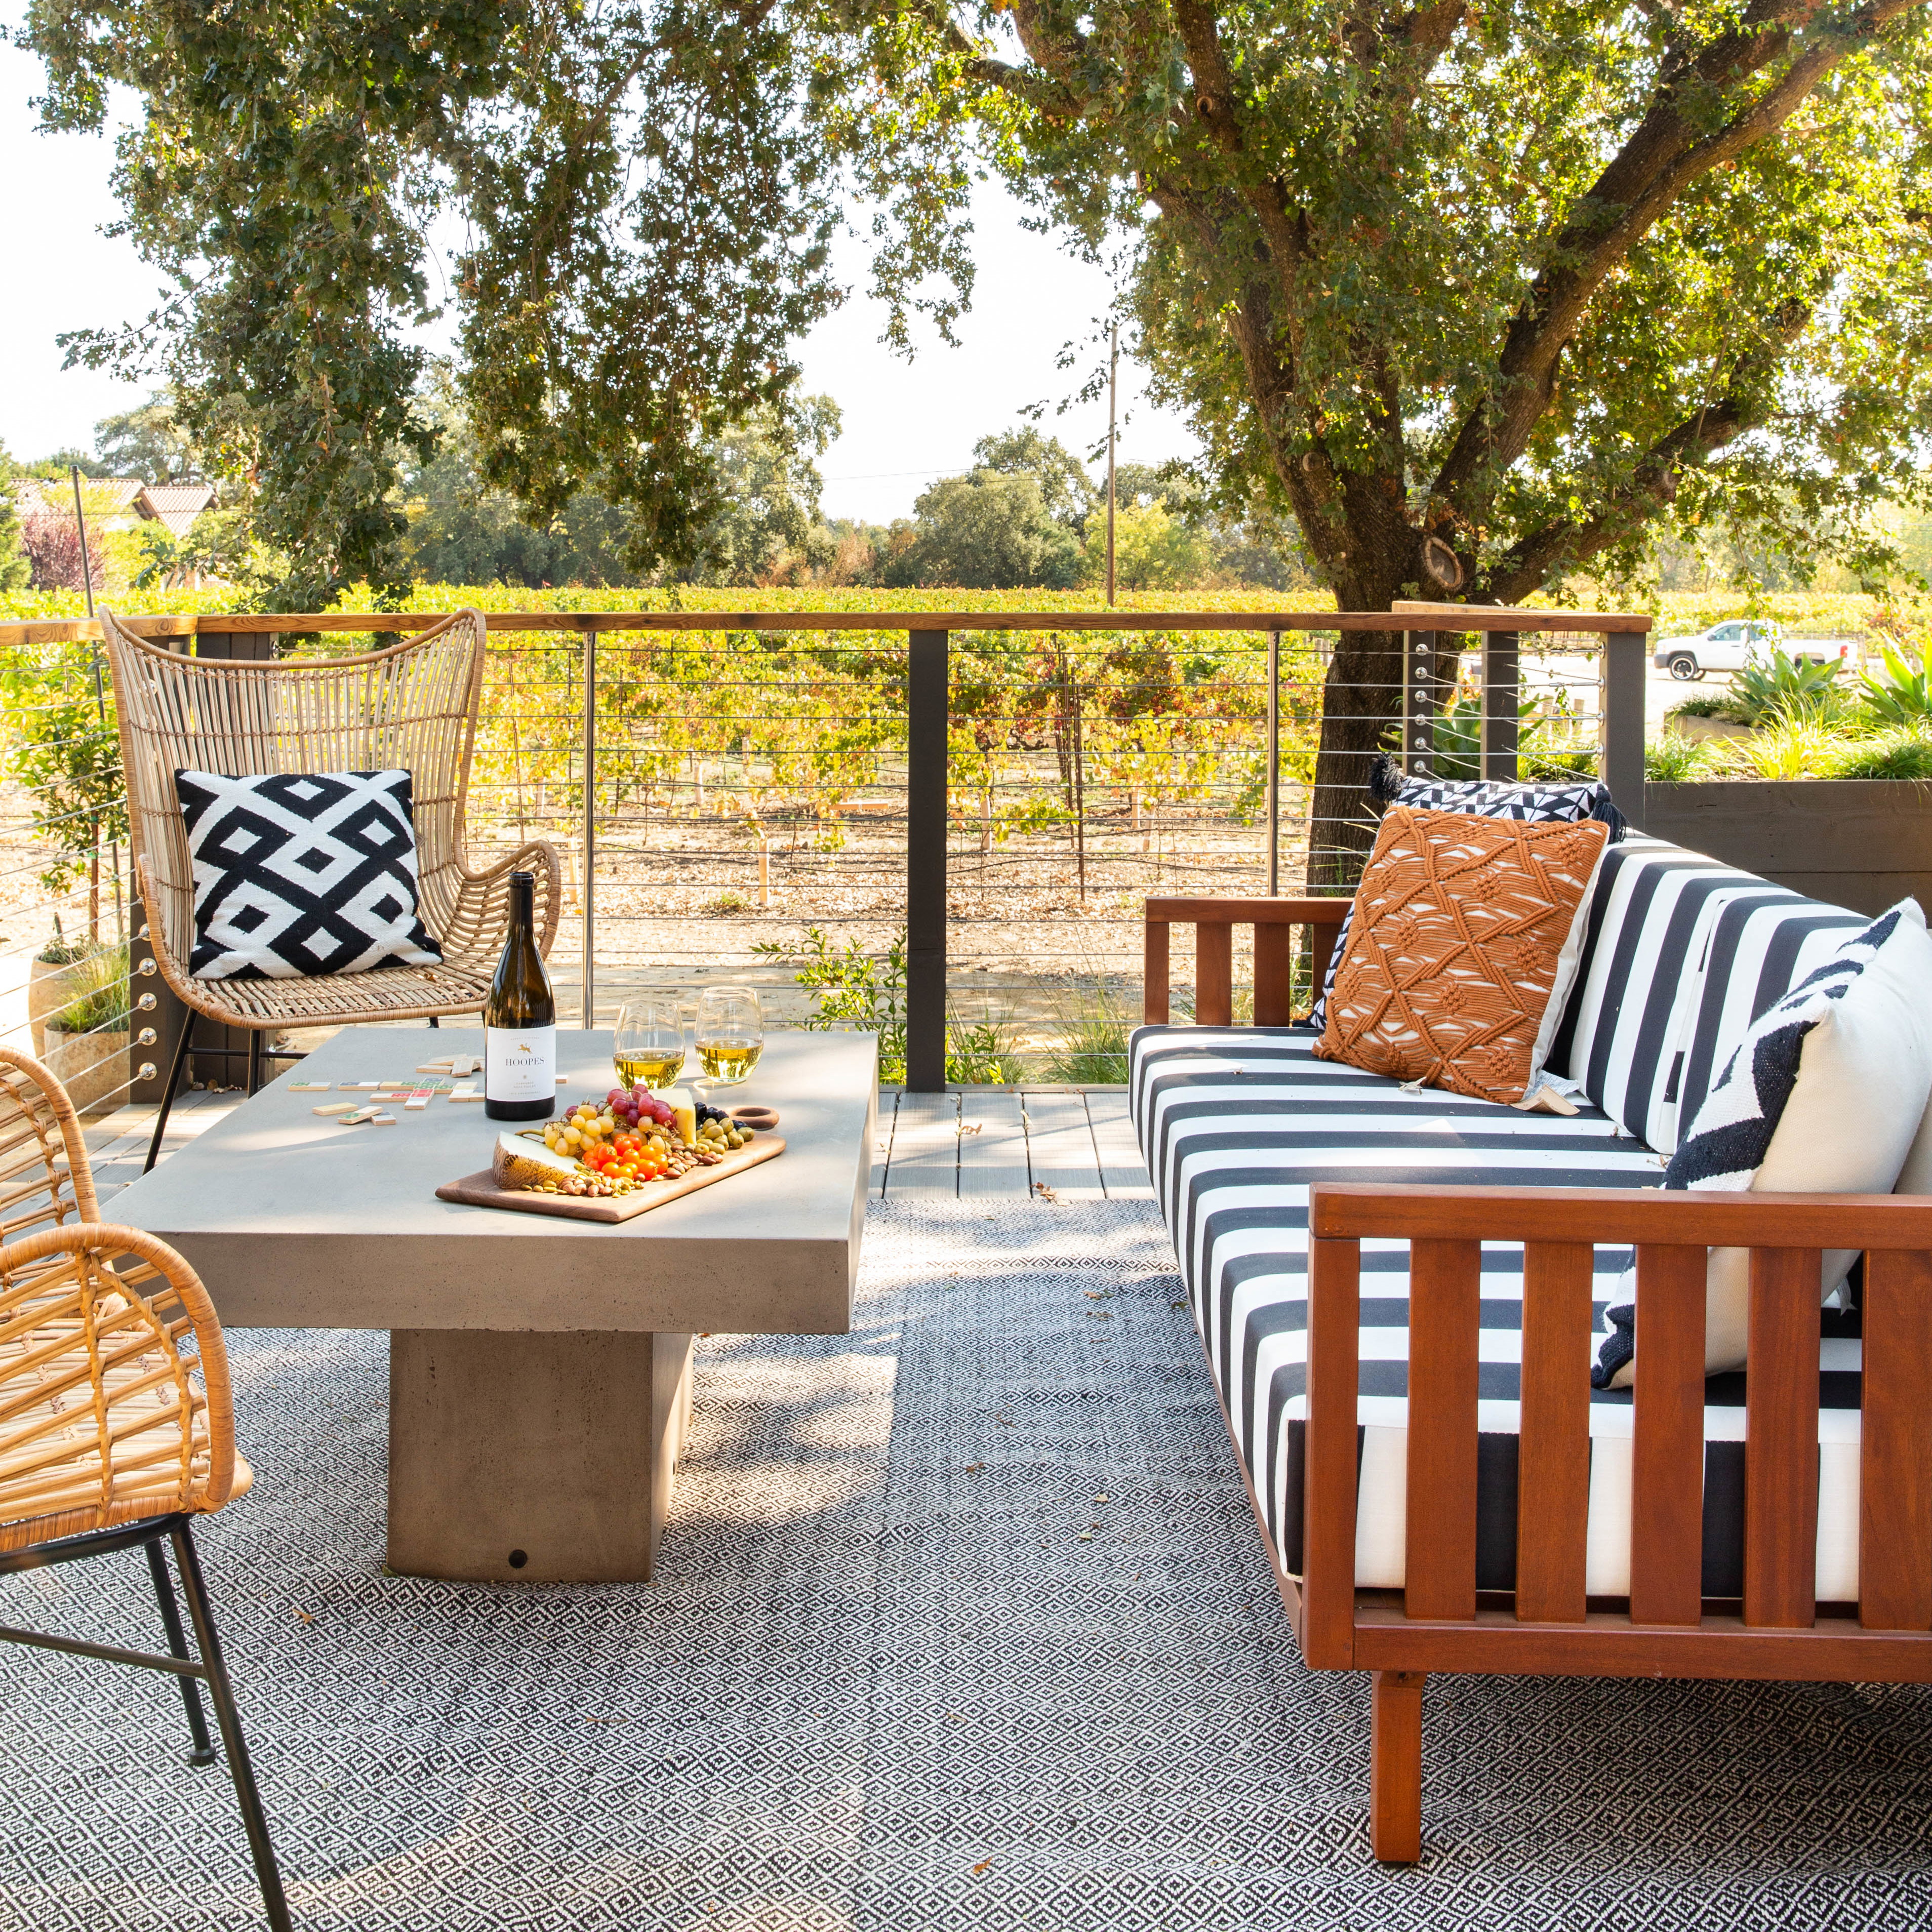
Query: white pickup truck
[1733,644]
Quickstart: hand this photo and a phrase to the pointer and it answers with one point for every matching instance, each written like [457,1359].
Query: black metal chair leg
[434,1020]
[164,1595]
[175,1068]
[201,1614]
[254,1060]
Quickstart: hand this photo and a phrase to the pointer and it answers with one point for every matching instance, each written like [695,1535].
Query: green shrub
[1781,686]
[1671,759]
[101,1005]
[1900,753]
[1710,704]
[1900,694]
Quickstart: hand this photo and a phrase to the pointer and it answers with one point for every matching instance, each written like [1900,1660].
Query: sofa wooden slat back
[1445,1328]
[1780,1439]
[1553,1449]
[1895,1444]
[1276,923]
[1667,1458]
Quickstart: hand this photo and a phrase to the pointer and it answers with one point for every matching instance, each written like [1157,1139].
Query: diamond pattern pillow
[1464,942]
[301,873]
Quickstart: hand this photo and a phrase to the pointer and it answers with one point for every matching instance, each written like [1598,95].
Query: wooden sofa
[1232,1121]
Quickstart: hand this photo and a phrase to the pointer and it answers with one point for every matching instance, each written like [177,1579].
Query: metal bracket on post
[1502,700]
[589,896]
[1625,665]
[925,861]
[1418,704]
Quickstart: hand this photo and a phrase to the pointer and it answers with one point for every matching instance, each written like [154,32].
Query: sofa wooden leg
[1395,1766]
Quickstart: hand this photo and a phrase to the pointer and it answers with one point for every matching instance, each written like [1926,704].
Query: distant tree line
[1027,514]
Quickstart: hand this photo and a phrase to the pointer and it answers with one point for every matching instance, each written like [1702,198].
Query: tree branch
[1661,160]
[1653,482]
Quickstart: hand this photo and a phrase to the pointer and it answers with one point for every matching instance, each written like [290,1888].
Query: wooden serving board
[479,1190]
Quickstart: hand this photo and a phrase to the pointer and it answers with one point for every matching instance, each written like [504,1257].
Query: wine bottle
[520,1020]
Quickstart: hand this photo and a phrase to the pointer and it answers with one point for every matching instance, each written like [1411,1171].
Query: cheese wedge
[684,1113]
[519,1163]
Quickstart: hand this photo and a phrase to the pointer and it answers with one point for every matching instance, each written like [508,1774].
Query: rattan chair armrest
[482,912]
[105,1243]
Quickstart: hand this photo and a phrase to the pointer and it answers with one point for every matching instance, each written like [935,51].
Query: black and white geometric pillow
[298,875]
[1534,804]
[1537,801]
[1730,1135]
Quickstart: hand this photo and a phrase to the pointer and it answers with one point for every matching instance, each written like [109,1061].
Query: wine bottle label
[519,1063]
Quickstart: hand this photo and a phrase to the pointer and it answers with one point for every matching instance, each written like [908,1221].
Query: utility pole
[1113,388]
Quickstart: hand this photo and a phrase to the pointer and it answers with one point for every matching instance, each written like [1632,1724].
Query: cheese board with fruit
[621,1157]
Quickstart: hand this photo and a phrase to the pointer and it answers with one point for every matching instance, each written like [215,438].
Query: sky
[904,423]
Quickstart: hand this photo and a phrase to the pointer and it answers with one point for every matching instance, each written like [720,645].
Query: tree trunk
[1361,698]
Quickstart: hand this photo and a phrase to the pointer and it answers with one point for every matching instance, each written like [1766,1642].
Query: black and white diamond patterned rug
[887,1681]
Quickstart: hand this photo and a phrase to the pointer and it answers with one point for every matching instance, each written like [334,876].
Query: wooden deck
[968,1143]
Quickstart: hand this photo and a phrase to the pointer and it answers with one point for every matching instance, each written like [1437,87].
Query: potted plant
[87,1039]
[53,981]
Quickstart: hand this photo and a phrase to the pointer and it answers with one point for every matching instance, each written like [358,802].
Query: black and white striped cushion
[1681,954]
[1237,1125]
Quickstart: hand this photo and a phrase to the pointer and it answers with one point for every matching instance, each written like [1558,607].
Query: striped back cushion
[1682,953]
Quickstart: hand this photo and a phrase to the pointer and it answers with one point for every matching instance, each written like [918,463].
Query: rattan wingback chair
[117,1427]
[411,707]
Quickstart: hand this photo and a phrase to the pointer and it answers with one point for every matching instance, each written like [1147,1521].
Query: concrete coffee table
[539,1369]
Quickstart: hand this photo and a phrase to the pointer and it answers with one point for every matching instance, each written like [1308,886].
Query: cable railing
[954,817]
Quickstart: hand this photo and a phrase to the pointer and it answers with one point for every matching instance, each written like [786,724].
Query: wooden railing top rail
[1443,616]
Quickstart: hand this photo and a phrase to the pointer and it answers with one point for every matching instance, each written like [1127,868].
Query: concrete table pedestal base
[538,1458]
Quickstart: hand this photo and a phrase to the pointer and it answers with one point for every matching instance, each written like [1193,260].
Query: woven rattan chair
[116,1424]
[411,707]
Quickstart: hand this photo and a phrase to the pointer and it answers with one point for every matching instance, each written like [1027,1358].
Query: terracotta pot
[92,1066]
[50,990]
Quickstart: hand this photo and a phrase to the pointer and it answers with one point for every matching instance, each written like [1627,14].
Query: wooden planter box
[1862,843]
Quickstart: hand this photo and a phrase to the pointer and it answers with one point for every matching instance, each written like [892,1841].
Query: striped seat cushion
[1681,955]
[1237,1124]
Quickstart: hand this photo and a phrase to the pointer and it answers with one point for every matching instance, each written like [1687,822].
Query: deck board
[1123,1173]
[1060,1144]
[993,1163]
[926,1148]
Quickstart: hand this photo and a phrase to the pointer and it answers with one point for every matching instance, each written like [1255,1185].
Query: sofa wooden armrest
[1275,922]
[1546,1626]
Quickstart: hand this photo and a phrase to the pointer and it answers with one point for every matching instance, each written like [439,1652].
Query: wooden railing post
[925,861]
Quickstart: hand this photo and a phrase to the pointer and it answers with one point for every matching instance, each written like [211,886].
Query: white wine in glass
[649,1043]
[730,1034]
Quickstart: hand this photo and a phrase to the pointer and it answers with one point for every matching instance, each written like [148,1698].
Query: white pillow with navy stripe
[1824,1096]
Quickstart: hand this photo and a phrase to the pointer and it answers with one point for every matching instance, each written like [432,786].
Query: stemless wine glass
[649,1044]
[730,1034]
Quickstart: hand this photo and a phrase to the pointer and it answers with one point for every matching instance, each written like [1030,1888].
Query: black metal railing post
[925,861]
[1626,662]
[1502,700]
[1274,764]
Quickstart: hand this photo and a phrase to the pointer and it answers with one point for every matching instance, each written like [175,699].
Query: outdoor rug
[962,1620]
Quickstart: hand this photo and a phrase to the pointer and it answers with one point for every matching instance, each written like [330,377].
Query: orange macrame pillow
[1463,945]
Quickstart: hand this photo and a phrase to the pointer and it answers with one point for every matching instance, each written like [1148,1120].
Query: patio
[963,1621]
